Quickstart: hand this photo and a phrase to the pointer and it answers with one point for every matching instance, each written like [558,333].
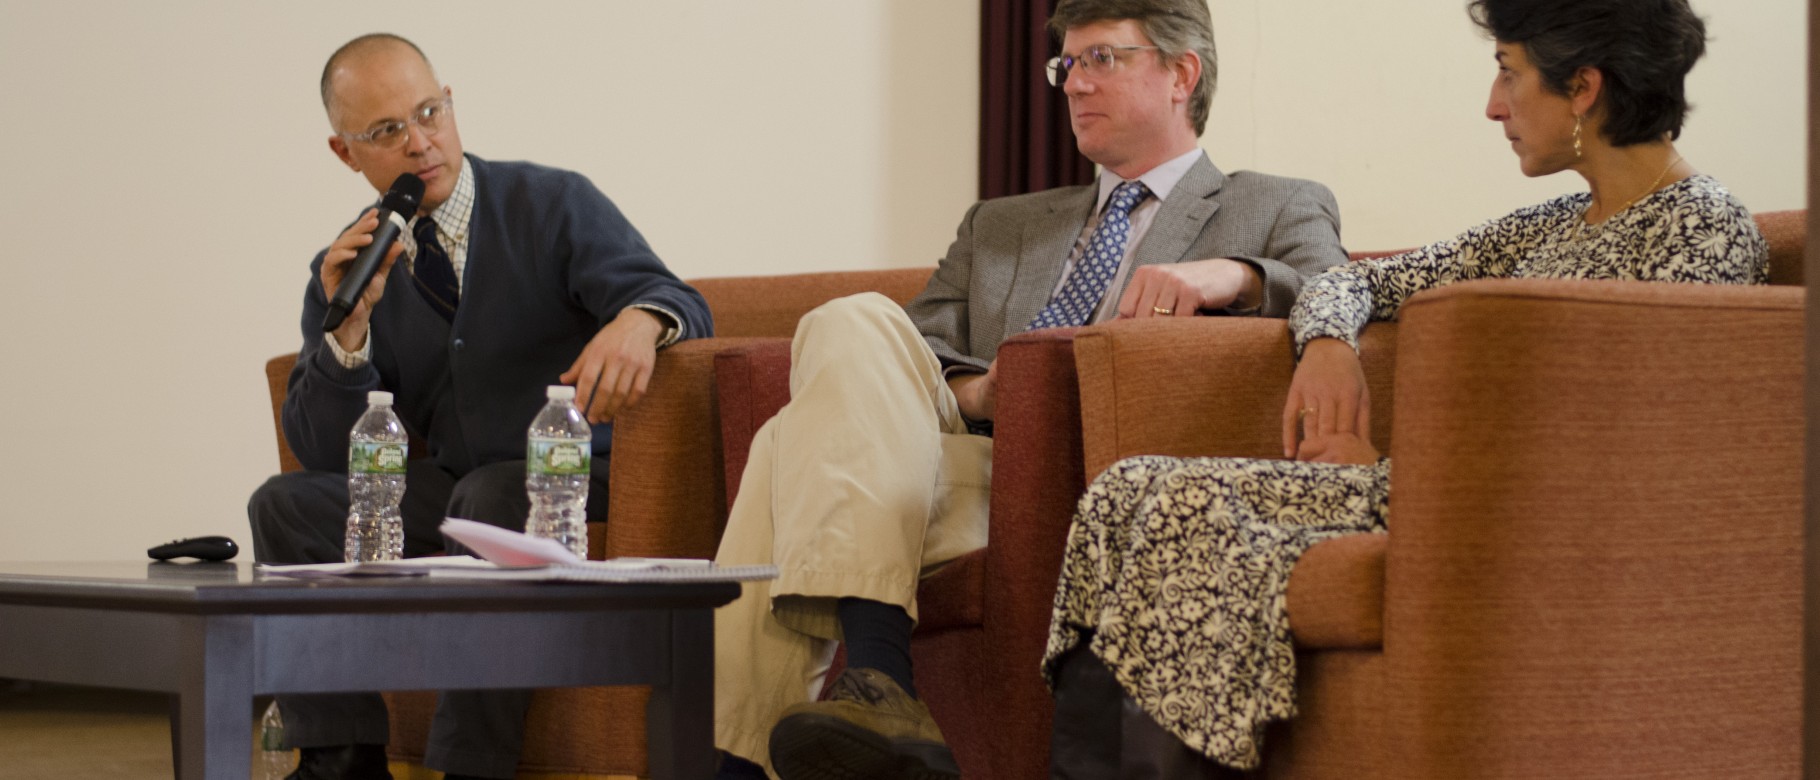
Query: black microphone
[395,212]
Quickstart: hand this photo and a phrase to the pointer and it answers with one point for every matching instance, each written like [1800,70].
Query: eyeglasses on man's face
[1098,60]
[391,133]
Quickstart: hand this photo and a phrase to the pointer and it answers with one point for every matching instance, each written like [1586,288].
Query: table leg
[679,720]
[176,718]
[214,724]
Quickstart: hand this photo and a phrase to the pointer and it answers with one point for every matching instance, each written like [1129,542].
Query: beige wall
[166,179]
[1385,102]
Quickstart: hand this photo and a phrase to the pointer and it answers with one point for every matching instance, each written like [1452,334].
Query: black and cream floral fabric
[1178,569]
[1181,566]
[1690,231]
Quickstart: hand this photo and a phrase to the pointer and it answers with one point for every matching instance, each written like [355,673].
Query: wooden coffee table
[215,635]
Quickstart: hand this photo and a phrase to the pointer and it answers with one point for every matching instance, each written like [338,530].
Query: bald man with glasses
[511,277]
[877,471]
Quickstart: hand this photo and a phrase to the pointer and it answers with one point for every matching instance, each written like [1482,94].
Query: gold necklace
[1580,224]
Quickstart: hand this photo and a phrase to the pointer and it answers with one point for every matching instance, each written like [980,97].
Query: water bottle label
[558,458]
[371,457]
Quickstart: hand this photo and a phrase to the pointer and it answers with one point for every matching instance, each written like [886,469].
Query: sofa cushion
[954,596]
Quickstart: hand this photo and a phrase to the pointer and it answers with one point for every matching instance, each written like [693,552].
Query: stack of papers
[509,555]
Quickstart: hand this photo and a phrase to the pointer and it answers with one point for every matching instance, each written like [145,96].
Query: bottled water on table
[377,448]
[558,453]
[275,761]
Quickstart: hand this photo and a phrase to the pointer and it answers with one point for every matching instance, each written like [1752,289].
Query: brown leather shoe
[868,729]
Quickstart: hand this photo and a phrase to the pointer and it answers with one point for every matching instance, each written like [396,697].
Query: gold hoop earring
[1577,122]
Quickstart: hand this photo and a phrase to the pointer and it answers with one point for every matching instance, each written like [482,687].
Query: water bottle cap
[560,393]
[379,398]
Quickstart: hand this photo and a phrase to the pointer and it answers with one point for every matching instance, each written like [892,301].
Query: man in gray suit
[875,471]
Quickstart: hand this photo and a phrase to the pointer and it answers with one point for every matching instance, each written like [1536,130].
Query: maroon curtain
[1025,142]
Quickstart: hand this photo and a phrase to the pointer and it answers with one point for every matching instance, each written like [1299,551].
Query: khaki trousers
[866,481]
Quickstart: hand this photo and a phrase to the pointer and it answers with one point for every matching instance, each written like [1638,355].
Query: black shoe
[341,762]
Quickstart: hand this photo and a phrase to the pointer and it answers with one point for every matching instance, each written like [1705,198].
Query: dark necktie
[432,272]
[1093,273]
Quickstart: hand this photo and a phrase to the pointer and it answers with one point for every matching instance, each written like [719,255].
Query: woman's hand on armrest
[1349,448]
[1327,397]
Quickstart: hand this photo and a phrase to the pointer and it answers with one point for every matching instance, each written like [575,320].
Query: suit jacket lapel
[1046,243]
[1179,220]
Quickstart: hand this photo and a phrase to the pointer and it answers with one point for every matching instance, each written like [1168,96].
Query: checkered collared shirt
[452,218]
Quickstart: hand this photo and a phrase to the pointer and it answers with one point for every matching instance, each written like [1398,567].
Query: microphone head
[404,196]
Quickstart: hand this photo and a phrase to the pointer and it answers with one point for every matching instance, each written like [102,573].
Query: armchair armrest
[1595,550]
[1215,387]
[667,497]
[1203,386]
[277,381]
[753,384]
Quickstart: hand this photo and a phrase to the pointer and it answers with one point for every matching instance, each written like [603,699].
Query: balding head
[357,50]
[383,81]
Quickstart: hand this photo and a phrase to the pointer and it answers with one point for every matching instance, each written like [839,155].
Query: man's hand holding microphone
[355,267]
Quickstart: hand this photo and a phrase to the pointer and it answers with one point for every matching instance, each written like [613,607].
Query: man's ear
[1187,70]
[339,146]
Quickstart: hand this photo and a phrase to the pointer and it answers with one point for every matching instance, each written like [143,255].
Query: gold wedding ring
[1162,311]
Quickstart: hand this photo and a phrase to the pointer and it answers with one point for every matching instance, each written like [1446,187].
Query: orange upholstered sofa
[986,616]
[1448,683]
[1594,560]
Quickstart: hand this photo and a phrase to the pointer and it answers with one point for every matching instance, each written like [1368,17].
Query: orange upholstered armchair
[1594,560]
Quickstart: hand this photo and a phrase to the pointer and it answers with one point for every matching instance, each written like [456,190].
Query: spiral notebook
[509,555]
[520,557]
[619,570]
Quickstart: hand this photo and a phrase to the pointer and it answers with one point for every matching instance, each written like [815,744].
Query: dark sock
[733,767]
[878,637]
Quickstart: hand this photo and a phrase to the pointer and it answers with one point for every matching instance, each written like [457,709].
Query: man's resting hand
[613,371]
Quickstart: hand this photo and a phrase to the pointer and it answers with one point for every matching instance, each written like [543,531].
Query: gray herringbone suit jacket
[1009,252]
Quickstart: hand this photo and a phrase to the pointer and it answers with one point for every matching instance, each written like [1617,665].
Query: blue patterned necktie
[432,272]
[1093,273]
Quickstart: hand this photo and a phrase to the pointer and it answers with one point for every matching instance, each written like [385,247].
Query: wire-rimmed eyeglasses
[1094,59]
[391,133]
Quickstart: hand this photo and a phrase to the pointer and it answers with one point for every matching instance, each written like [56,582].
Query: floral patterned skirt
[1179,568]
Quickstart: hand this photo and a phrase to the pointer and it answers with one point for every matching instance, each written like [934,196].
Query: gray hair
[1176,27]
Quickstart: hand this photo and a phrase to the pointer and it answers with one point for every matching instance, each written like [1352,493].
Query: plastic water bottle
[275,760]
[377,448]
[558,451]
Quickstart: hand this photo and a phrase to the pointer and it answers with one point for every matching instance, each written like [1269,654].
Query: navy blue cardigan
[550,262]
